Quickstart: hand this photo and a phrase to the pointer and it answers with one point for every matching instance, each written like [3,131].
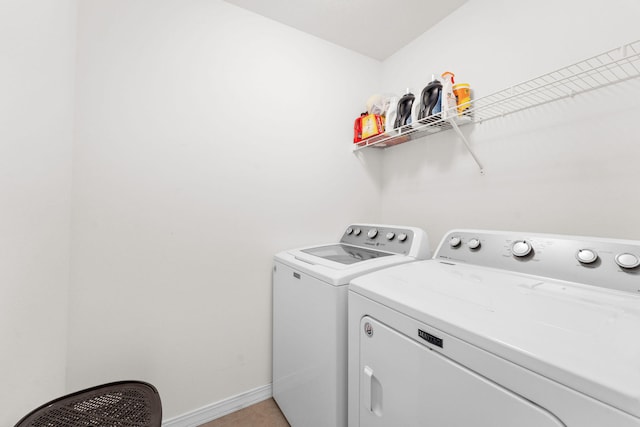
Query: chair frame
[152,402]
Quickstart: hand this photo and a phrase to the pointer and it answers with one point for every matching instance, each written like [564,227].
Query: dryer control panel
[608,263]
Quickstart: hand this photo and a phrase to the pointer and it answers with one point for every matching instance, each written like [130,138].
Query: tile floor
[262,414]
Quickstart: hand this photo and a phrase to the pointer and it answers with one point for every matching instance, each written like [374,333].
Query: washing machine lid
[582,336]
[345,254]
[337,264]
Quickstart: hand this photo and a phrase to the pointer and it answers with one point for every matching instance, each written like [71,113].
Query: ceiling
[375,28]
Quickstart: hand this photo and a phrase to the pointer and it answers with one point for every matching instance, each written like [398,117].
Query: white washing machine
[310,316]
[499,329]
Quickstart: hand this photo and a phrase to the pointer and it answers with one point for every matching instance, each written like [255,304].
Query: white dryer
[499,329]
[310,316]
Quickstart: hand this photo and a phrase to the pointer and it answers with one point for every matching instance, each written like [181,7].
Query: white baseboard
[219,409]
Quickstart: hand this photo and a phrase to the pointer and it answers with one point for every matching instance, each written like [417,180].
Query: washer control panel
[609,263]
[384,238]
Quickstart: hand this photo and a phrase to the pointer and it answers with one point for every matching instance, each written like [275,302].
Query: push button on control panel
[627,260]
[586,256]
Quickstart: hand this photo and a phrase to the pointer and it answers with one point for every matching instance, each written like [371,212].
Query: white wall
[568,167]
[208,138]
[37,61]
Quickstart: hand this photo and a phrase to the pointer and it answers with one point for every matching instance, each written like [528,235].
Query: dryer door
[404,383]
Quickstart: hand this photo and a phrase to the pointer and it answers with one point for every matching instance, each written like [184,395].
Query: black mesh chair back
[117,404]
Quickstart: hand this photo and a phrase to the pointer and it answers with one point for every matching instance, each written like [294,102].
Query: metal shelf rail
[608,68]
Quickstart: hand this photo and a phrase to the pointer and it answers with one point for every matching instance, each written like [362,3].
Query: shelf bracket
[455,127]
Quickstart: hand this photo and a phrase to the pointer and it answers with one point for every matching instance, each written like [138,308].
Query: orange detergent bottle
[463,95]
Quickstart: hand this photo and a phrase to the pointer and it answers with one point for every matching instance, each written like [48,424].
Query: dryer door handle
[366,392]
[372,392]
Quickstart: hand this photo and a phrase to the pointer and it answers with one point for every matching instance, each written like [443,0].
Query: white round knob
[586,256]
[390,235]
[357,231]
[349,230]
[627,260]
[372,233]
[454,242]
[474,244]
[402,237]
[521,248]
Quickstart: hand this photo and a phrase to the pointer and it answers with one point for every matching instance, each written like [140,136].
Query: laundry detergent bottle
[405,104]
[430,99]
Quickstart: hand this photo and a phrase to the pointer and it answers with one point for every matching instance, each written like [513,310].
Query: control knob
[390,235]
[372,233]
[627,260]
[474,243]
[521,248]
[586,256]
[349,230]
[357,231]
[402,237]
[454,242]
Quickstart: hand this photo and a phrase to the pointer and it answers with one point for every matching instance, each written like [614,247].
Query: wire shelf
[608,68]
